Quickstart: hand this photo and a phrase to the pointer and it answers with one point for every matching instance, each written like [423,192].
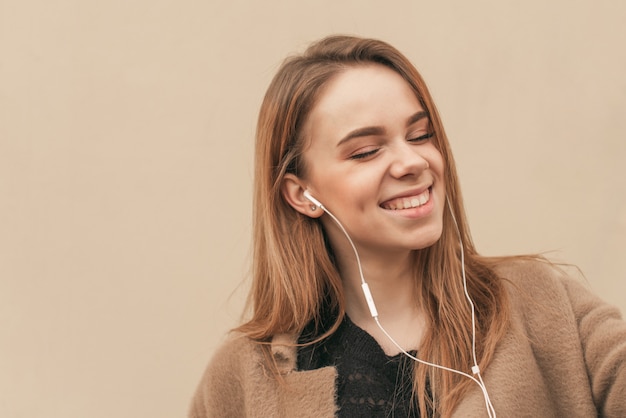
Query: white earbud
[313,200]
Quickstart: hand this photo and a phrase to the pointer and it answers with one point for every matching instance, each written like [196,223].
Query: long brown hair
[294,276]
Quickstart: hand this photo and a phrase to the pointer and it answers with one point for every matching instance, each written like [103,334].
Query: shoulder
[542,292]
[539,288]
[539,278]
[238,368]
[220,390]
[239,356]
[233,353]
[575,335]
[528,270]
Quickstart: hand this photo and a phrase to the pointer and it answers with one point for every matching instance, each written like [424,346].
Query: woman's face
[372,163]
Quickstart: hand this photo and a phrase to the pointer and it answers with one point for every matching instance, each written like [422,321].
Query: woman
[357,199]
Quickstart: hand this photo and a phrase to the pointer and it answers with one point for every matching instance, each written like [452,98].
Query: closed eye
[422,138]
[363,154]
[417,140]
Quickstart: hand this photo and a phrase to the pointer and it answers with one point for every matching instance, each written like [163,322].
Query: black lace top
[370,383]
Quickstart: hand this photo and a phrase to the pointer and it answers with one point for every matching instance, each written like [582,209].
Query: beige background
[126,141]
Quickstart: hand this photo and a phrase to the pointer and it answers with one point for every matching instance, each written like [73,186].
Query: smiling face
[372,163]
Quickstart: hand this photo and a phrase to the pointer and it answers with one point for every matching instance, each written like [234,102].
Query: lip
[407,194]
[414,213]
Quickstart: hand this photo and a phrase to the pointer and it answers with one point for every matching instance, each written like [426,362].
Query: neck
[391,281]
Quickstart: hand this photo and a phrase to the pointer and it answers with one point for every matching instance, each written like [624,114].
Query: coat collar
[284,351]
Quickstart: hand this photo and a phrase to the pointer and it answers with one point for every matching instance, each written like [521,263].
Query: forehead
[360,96]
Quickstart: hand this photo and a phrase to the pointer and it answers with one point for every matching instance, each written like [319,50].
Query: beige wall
[126,166]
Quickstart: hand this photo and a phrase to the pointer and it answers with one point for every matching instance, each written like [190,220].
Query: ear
[293,191]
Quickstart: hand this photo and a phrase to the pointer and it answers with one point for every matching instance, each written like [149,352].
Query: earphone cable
[370,302]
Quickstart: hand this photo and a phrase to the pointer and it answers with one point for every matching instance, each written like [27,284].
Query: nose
[407,160]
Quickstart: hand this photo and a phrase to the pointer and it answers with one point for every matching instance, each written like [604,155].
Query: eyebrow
[379,130]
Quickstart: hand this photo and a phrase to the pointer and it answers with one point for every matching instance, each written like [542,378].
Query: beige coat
[563,356]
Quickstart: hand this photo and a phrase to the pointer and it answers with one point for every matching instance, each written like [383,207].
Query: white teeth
[408,203]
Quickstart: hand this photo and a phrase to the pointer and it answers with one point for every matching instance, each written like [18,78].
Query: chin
[427,240]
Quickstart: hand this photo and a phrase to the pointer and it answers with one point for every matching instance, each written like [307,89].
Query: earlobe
[293,191]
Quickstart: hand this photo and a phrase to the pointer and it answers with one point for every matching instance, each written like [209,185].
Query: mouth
[408,202]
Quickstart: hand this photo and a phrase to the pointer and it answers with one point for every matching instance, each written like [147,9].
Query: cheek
[435,160]
[343,190]
[346,195]
[348,184]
